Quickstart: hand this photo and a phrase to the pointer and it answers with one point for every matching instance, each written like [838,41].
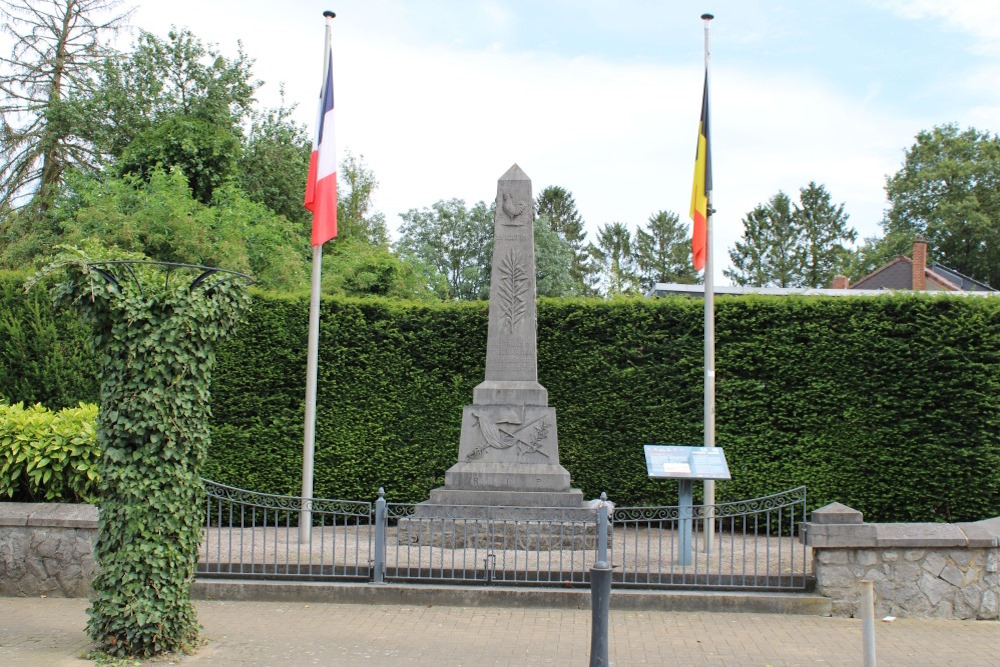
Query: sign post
[685,464]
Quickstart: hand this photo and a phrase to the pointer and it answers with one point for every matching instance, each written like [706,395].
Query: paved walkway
[44,632]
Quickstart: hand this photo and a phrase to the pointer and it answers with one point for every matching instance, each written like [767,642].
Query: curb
[756,602]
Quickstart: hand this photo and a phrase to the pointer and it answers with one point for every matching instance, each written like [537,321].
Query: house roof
[963,281]
[898,274]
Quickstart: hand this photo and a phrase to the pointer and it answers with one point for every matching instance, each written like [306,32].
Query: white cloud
[979,19]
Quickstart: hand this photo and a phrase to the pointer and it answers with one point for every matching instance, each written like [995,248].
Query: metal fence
[255,535]
[752,544]
[485,545]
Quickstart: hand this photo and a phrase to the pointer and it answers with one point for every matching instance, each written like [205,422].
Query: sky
[441,97]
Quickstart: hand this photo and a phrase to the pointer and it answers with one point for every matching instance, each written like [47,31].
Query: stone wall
[46,549]
[918,570]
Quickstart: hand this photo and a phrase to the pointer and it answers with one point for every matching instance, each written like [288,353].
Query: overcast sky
[441,97]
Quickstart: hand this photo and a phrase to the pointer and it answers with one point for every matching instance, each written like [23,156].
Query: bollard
[602,529]
[868,622]
[380,521]
[600,601]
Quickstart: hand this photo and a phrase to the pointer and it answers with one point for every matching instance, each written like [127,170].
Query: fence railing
[753,543]
[486,545]
[255,535]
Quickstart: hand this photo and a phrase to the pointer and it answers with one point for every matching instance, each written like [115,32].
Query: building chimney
[840,281]
[919,263]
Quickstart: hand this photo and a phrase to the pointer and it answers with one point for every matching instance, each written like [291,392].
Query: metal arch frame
[206,272]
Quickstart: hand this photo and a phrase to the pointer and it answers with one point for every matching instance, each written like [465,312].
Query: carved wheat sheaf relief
[511,290]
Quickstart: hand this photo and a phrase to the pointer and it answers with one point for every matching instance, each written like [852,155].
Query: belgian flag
[702,186]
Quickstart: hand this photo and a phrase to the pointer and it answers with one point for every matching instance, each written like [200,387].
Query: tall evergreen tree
[613,254]
[663,252]
[793,244]
[824,235]
[557,205]
[765,257]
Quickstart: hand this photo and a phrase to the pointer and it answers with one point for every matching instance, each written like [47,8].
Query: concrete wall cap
[53,515]
[983,534]
[919,535]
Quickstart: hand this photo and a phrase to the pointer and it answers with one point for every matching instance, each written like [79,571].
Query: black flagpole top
[707,17]
[328,14]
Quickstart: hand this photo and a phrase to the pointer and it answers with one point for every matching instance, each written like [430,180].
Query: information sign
[676,462]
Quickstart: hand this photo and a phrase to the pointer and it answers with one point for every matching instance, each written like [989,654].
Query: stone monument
[508,453]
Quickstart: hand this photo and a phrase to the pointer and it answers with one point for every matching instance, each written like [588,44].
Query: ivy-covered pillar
[155,330]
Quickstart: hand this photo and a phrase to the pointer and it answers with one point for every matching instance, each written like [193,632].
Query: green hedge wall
[888,404]
[43,354]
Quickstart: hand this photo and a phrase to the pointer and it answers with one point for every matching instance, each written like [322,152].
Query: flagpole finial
[328,14]
[707,17]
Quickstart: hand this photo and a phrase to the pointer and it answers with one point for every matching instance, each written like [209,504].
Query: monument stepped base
[509,501]
[499,535]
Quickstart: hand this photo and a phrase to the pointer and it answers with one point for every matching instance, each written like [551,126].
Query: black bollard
[600,600]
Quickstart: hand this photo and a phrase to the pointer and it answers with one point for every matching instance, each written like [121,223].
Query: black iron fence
[748,544]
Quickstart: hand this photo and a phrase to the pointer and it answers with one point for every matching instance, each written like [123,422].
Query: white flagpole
[709,499]
[312,364]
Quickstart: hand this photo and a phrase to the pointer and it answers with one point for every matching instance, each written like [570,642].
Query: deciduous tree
[948,189]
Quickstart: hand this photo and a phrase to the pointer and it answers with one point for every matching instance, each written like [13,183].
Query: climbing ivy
[154,333]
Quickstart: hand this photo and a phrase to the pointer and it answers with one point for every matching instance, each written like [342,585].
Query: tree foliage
[792,244]
[356,214]
[274,163]
[614,256]
[948,189]
[558,206]
[455,241]
[663,252]
[161,219]
[161,78]
[58,46]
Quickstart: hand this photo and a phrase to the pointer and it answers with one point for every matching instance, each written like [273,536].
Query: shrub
[48,456]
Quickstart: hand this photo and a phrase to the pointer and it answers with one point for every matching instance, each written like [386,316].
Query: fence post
[600,602]
[602,529]
[380,526]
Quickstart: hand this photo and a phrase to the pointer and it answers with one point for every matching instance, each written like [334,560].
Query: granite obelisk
[509,450]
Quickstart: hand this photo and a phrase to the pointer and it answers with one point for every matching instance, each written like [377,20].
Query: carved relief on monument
[512,290]
[510,431]
[513,209]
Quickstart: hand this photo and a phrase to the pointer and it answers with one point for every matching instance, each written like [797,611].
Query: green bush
[48,456]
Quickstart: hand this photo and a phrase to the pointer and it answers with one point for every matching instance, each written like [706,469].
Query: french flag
[321,188]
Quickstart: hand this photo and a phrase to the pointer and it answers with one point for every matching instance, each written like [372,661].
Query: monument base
[528,477]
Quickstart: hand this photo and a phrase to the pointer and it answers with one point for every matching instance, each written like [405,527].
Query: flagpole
[312,366]
[709,495]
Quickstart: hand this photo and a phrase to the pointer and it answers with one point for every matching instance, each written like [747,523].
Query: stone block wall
[918,570]
[46,549]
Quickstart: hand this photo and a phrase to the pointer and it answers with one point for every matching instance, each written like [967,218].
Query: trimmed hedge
[888,404]
[43,354]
